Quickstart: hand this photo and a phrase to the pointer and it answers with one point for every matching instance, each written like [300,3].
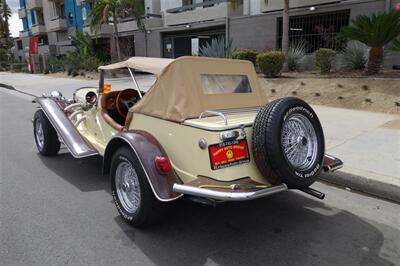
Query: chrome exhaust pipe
[313,192]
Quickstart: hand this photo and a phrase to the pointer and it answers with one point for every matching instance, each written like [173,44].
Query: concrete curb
[9,87]
[364,184]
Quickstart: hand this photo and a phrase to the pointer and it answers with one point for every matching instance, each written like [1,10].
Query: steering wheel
[125,100]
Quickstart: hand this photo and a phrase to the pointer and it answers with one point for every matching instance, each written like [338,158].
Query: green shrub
[92,63]
[3,57]
[271,63]
[246,54]
[295,55]
[354,56]
[56,64]
[324,58]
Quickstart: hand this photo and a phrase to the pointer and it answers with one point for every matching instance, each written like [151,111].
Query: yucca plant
[354,56]
[375,31]
[296,54]
[217,48]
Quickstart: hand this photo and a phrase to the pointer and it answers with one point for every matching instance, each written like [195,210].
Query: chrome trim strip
[144,170]
[228,196]
[134,81]
[71,137]
[214,113]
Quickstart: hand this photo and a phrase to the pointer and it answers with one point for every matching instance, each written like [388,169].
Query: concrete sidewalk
[369,145]
[367,142]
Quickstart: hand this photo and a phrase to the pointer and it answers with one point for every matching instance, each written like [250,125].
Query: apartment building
[49,24]
[187,24]
[175,28]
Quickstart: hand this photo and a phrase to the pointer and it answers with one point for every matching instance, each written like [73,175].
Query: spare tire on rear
[288,142]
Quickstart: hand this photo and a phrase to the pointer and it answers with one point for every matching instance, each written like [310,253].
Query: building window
[317,31]
[206,4]
[19,45]
[187,2]
[84,15]
[43,40]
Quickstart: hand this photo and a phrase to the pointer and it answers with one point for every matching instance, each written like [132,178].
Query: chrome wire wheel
[128,188]
[299,142]
[39,133]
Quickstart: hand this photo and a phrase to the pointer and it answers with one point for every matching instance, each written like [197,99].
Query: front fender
[145,147]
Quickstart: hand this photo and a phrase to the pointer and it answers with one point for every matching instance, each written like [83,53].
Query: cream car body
[195,105]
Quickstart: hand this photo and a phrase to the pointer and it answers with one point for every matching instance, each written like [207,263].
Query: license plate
[228,154]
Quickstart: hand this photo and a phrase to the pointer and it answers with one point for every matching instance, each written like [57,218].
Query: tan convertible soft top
[146,64]
[178,93]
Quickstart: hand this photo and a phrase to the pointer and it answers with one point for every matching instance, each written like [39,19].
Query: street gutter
[372,186]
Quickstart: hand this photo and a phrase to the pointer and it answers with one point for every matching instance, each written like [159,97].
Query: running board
[71,137]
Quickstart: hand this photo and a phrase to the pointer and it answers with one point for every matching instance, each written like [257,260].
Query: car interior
[115,106]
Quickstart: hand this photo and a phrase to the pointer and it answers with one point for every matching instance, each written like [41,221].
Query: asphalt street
[59,211]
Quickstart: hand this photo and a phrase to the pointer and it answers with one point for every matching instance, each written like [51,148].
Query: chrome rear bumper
[331,163]
[227,196]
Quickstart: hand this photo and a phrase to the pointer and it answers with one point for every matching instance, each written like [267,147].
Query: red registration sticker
[228,153]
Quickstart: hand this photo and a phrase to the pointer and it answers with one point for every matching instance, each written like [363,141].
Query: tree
[102,11]
[375,31]
[5,14]
[285,27]
[134,9]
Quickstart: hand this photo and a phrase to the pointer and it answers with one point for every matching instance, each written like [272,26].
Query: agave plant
[354,56]
[375,31]
[296,54]
[217,48]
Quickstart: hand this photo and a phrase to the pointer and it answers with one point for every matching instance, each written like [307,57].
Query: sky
[15,22]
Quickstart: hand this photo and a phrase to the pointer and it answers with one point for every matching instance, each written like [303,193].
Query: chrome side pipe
[74,114]
[82,118]
[71,106]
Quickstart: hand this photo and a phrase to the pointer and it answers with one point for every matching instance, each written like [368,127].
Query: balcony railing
[211,10]
[103,30]
[32,4]
[194,6]
[22,13]
[38,29]
[127,25]
[23,33]
[56,24]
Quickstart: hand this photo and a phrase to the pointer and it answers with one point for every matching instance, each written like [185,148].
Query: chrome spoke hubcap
[127,185]
[299,142]
[39,133]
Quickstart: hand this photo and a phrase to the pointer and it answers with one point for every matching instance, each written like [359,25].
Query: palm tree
[5,14]
[134,9]
[102,11]
[375,31]
[285,27]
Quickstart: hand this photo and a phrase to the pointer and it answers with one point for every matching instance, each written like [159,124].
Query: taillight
[163,164]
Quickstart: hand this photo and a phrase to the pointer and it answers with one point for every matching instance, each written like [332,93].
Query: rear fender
[145,147]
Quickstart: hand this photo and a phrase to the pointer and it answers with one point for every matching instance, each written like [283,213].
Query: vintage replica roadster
[204,131]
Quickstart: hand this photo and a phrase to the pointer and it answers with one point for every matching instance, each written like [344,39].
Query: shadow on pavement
[85,174]
[282,229]
[287,228]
